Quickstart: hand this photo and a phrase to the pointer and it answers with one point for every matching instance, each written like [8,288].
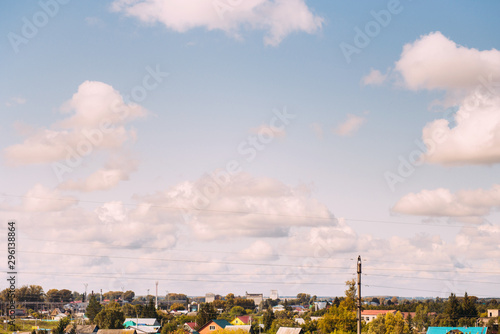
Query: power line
[184,260]
[189,280]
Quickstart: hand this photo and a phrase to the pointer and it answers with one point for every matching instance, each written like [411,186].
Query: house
[141,322]
[141,329]
[213,325]
[242,320]
[369,315]
[278,308]
[116,331]
[457,330]
[246,328]
[493,314]
[82,329]
[190,327]
[289,330]
[59,316]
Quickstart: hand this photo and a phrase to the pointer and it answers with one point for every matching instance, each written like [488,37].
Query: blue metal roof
[465,330]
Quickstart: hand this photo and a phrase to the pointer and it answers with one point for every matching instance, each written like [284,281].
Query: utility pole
[101,297]
[359,295]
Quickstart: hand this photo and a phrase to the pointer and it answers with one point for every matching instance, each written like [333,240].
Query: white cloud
[436,62]
[278,18]
[97,122]
[469,78]
[104,178]
[474,138]
[258,250]
[442,203]
[240,205]
[16,100]
[269,131]
[350,125]
[375,77]
[42,199]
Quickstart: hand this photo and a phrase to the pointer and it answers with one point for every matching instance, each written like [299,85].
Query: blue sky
[333,130]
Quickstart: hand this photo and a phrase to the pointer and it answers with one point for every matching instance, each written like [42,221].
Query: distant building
[256,297]
[319,305]
[274,295]
[209,297]
[369,315]
[493,313]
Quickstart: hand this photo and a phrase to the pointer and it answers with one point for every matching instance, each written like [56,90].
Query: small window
[212,328]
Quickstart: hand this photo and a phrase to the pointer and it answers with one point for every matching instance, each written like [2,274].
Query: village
[119,312]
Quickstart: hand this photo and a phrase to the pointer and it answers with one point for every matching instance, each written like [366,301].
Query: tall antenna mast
[156,302]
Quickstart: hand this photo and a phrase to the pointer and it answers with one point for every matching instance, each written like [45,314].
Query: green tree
[468,307]
[52,296]
[93,308]
[350,295]
[177,306]
[268,319]
[110,318]
[128,310]
[338,318]
[129,295]
[237,311]
[61,325]
[206,313]
[150,310]
[282,322]
[421,320]
[452,310]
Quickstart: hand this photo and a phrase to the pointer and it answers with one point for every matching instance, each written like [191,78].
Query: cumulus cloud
[375,77]
[277,18]
[443,203]
[16,100]
[97,122]
[470,79]
[436,62]
[350,125]
[218,206]
[40,198]
[474,138]
[104,178]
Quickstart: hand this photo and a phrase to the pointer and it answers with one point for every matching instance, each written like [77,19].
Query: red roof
[377,312]
[191,325]
[244,318]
